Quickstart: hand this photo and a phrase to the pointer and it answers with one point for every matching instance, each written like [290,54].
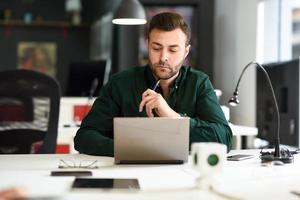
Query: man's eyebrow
[156,43]
[174,46]
[171,46]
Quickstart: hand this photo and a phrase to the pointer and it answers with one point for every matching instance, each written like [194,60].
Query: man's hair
[168,21]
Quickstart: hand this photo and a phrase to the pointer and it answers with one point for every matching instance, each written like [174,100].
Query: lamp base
[269,156]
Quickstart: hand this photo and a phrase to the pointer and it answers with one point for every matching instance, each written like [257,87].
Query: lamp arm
[238,83]
[277,142]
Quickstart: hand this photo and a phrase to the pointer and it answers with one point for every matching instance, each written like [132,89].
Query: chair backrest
[29,111]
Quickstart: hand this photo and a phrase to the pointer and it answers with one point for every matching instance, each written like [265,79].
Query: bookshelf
[41,24]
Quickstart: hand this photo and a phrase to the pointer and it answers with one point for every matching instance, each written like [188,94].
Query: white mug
[208,157]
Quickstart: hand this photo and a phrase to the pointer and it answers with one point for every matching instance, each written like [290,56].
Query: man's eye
[156,48]
[174,49]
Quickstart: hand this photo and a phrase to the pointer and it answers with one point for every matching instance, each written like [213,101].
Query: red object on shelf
[62,148]
[80,111]
[35,147]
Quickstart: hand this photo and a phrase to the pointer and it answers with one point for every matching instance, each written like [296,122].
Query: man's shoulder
[195,73]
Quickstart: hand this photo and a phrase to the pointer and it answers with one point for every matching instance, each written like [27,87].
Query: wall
[268,34]
[234,47]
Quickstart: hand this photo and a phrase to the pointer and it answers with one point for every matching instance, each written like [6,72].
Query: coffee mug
[208,157]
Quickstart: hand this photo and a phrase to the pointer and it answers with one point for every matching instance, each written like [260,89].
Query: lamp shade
[73,5]
[130,12]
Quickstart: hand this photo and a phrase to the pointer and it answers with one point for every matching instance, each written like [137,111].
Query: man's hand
[154,101]
[13,193]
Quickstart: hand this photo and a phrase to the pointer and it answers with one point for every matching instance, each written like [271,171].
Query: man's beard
[171,72]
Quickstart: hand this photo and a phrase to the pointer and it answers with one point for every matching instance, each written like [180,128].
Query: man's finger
[147,96]
[144,101]
[148,92]
[150,106]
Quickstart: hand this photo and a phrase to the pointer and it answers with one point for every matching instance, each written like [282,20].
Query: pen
[156,85]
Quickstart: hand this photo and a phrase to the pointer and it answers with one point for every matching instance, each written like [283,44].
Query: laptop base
[156,162]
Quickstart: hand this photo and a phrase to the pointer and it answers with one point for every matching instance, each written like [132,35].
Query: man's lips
[163,66]
[162,69]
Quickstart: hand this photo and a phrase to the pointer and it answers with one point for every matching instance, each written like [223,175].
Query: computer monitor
[285,80]
[82,78]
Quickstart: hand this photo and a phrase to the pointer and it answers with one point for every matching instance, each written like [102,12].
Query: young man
[180,91]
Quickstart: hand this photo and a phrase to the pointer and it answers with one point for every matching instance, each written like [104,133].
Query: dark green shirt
[191,94]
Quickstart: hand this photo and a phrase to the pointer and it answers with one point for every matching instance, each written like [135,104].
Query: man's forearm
[93,143]
[203,131]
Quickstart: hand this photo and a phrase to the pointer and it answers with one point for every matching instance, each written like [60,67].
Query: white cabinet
[68,126]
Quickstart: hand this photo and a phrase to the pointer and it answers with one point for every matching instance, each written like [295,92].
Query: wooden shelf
[50,24]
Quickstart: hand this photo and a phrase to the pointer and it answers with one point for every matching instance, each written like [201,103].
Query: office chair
[29,111]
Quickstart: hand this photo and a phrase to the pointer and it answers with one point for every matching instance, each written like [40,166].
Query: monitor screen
[285,80]
[85,78]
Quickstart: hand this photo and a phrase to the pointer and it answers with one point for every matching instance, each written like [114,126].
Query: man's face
[167,51]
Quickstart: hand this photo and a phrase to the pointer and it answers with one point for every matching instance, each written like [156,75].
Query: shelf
[50,24]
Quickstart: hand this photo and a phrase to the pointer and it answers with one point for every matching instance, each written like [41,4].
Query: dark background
[73,42]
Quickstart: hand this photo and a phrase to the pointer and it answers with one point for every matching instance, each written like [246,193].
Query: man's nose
[164,60]
[164,57]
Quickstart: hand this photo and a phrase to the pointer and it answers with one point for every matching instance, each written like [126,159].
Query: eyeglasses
[88,164]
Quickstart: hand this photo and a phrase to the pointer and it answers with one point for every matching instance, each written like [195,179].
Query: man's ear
[187,50]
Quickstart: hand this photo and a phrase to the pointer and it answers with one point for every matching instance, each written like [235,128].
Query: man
[181,91]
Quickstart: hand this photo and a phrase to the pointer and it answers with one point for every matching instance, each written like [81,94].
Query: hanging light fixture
[130,12]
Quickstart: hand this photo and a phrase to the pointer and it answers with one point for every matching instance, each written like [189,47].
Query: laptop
[158,140]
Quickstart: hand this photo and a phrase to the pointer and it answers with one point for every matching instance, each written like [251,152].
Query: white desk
[66,111]
[246,179]
[66,118]
[239,131]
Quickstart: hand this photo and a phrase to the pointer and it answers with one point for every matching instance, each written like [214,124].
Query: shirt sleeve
[95,136]
[209,123]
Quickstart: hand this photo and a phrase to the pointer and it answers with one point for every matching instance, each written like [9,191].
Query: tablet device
[71,173]
[106,183]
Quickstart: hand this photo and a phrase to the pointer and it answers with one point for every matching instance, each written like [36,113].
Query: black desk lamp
[281,155]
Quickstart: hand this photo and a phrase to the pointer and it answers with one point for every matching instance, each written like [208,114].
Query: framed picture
[38,56]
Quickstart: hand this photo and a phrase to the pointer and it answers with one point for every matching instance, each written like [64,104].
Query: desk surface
[246,179]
